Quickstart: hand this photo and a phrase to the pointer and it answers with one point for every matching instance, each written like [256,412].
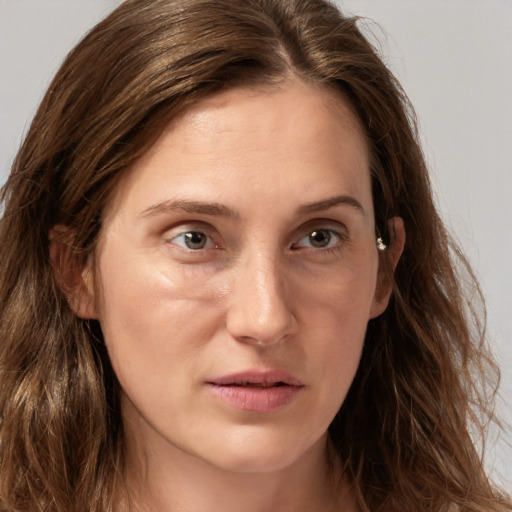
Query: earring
[381,246]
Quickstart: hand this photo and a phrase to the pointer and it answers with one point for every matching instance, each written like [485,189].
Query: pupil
[195,240]
[320,238]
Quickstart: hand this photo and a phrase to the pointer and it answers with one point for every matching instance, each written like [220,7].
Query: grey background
[453,57]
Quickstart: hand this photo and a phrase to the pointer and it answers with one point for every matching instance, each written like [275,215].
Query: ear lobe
[388,262]
[74,278]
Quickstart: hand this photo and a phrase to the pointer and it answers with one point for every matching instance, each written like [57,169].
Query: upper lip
[257,377]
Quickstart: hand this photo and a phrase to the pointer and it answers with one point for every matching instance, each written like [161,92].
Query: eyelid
[208,245]
[337,238]
[335,226]
[193,227]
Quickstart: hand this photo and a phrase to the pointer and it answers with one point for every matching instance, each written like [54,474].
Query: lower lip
[255,399]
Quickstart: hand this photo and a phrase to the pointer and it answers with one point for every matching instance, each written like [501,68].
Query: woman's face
[237,272]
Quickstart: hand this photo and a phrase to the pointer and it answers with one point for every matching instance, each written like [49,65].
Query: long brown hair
[424,385]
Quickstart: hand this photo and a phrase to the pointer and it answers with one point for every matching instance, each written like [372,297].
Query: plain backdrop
[454,59]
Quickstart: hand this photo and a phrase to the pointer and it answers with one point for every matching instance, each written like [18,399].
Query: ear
[387,264]
[75,279]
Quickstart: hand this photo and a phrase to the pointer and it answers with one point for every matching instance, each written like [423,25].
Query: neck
[169,479]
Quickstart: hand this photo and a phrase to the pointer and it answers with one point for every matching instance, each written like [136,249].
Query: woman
[235,291]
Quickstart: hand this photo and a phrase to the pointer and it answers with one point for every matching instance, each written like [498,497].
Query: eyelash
[330,233]
[188,235]
[210,242]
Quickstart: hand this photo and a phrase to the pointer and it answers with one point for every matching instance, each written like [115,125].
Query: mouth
[256,385]
[256,391]
[256,378]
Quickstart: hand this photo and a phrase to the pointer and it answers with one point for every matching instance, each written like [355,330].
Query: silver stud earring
[381,246]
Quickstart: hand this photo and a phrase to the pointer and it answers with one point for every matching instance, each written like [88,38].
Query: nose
[259,307]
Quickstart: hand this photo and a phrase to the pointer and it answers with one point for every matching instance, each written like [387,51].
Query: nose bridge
[260,308]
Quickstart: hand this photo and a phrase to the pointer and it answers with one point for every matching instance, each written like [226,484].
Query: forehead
[239,111]
[257,138]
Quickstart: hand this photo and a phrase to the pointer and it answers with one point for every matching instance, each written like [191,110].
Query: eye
[192,240]
[319,239]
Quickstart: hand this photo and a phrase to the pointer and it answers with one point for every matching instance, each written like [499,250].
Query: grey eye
[193,240]
[320,238]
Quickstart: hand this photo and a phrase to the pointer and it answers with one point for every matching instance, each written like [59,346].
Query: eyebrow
[220,210]
[216,209]
[331,202]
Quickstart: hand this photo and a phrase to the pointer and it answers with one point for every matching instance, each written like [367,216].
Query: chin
[256,463]
[263,454]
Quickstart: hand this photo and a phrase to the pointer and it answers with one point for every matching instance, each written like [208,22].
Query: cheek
[150,320]
[342,297]
[339,335]
[336,317]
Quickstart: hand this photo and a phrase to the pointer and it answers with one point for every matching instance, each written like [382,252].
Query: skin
[287,279]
